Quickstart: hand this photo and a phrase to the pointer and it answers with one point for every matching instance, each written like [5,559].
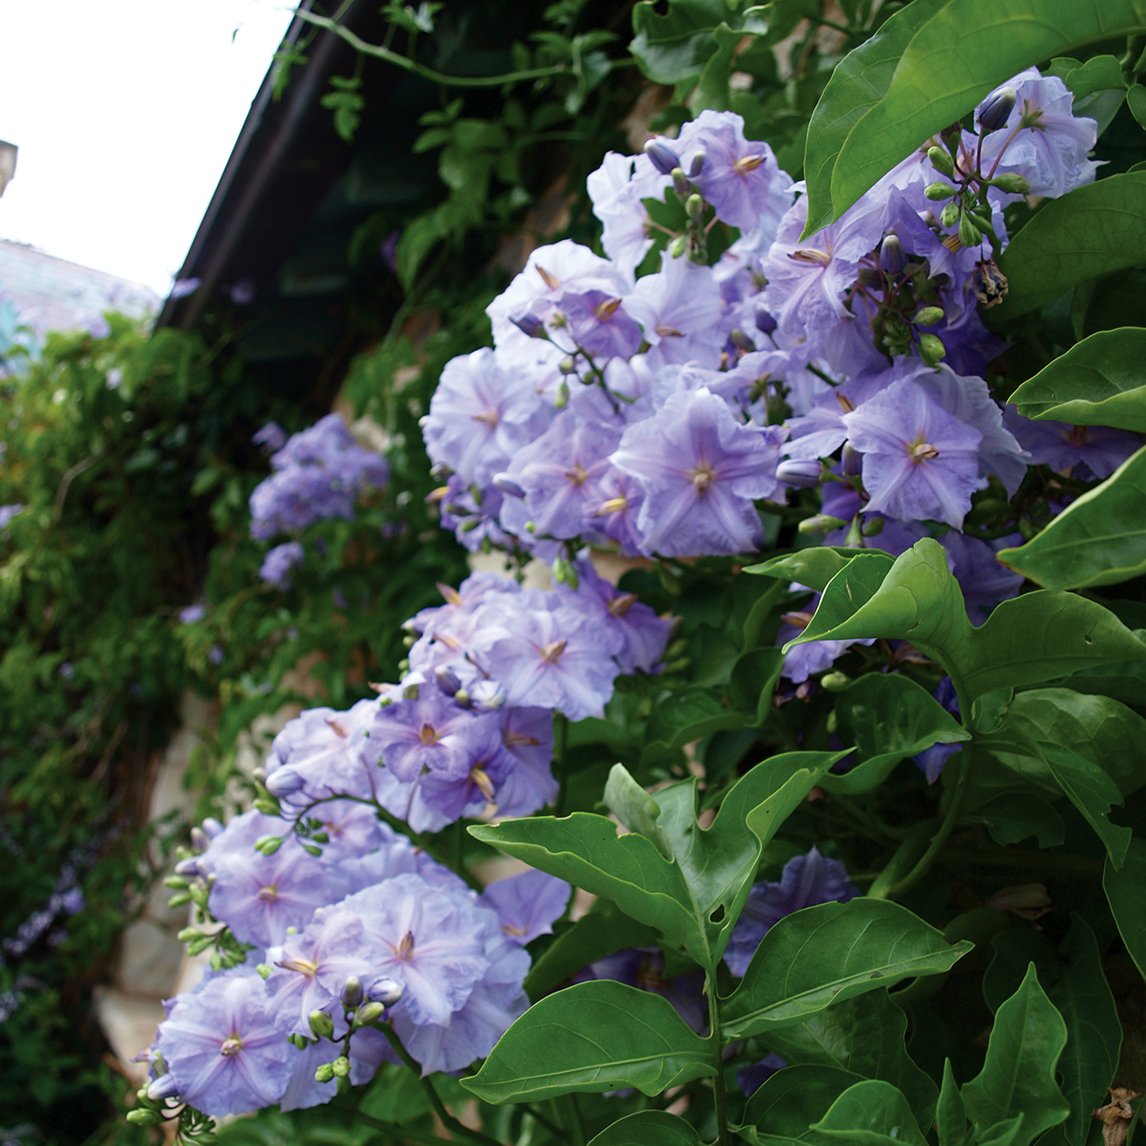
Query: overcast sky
[125,112]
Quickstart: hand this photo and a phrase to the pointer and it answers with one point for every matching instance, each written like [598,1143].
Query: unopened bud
[663,158]
[1012,183]
[324,1073]
[462,698]
[680,183]
[765,322]
[268,845]
[529,325]
[696,164]
[969,234]
[949,216]
[694,207]
[567,366]
[928,316]
[931,349]
[284,782]
[505,484]
[995,110]
[678,247]
[834,681]
[368,1014]
[321,1024]
[384,991]
[163,1087]
[891,257]
[180,899]
[819,523]
[562,399]
[447,680]
[852,461]
[938,191]
[340,1068]
[144,1117]
[941,160]
[267,806]
[801,473]
[741,340]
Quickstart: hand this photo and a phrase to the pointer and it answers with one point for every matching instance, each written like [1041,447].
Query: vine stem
[408,65]
[720,1096]
[447,1119]
[896,887]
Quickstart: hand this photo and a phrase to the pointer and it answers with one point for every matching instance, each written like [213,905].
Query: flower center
[921,451]
[483,784]
[231,1046]
[576,475]
[747,163]
[268,894]
[405,948]
[428,734]
[302,966]
[811,255]
[551,653]
[702,476]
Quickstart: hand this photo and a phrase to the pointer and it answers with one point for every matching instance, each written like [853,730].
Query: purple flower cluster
[363,931]
[318,474]
[655,412]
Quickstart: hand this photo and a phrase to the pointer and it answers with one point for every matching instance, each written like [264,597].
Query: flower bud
[340,1068]
[185,868]
[663,158]
[680,183]
[321,1024]
[801,473]
[819,523]
[741,340]
[938,191]
[928,316]
[267,806]
[268,845]
[324,1073]
[834,681]
[163,1087]
[696,164]
[384,991]
[678,247]
[352,993]
[462,698]
[941,160]
[765,322]
[995,110]
[852,461]
[969,234]
[694,207]
[284,782]
[949,215]
[931,349]
[562,399]
[144,1117]
[1012,183]
[505,484]
[891,257]
[368,1014]
[567,366]
[447,680]
[529,325]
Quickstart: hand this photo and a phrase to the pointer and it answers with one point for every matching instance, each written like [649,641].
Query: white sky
[125,112]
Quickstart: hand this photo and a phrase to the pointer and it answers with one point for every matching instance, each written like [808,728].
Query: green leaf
[928,66]
[595,1036]
[864,1036]
[789,1101]
[1100,539]
[648,1128]
[1016,816]
[634,807]
[816,567]
[1094,1034]
[825,954]
[1097,382]
[687,716]
[871,1113]
[951,1123]
[1093,230]
[1125,889]
[888,718]
[1008,1132]
[585,849]
[1018,1075]
[719,863]
[1136,99]
[675,46]
[1092,792]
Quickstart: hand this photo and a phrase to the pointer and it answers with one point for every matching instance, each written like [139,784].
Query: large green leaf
[595,1036]
[1125,889]
[1096,229]
[825,954]
[648,1128]
[1093,793]
[1100,539]
[929,65]
[674,45]
[585,849]
[888,718]
[865,1036]
[871,1113]
[1097,382]
[1033,638]
[719,863]
[1018,1075]
[1094,1035]
[951,1125]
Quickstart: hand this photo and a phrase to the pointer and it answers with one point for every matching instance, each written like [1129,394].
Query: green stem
[570,1115]
[561,745]
[408,65]
[447,1119]
[720,1096]
[895,885]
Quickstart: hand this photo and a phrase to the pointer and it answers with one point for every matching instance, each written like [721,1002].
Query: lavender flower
[280,563]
